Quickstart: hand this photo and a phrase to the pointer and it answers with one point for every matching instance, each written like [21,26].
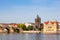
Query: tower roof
[38,17]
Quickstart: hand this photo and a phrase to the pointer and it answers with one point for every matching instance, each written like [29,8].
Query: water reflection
[50,37]
[38,36]
[26,37]
[29,37]
[58,36]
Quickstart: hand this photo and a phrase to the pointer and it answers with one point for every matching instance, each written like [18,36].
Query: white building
[27,24]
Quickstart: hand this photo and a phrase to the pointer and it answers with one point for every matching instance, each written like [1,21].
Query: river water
[29,36]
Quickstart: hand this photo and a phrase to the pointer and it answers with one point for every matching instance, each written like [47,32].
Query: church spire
[38,22]
[38,17]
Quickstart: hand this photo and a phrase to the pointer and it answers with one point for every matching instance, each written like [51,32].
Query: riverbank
[31,31]
[58,32]
[23,32]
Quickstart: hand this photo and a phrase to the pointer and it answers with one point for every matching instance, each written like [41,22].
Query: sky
[23,11]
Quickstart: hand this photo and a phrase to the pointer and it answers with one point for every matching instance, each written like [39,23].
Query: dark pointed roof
[38,17]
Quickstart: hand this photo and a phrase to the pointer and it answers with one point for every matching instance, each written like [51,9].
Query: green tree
[22,26]
[30,27]
[40,29]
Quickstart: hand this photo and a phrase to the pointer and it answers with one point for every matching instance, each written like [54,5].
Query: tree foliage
[30,27]
[22,26]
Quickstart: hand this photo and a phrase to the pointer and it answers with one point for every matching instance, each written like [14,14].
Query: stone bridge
[10,30]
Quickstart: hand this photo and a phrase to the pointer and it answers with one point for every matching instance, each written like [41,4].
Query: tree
[30,27]
[40,29]
[22,26]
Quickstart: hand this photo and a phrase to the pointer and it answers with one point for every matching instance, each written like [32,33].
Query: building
[3,25]
[50,27]
[13,25]
[58,26]
[28,24]
[38,22]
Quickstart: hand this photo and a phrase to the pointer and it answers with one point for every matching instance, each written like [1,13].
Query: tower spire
[38,17]
[38,21]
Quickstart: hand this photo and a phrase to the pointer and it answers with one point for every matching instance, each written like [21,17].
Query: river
[29,36]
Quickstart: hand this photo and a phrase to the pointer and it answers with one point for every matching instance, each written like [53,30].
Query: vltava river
[29,37]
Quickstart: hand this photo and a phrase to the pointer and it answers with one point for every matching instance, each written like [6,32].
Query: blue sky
[20,11]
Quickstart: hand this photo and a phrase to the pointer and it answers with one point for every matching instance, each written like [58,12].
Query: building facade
[58,26]
[50,27]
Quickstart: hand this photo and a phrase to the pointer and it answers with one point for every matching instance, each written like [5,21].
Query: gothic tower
[38,21]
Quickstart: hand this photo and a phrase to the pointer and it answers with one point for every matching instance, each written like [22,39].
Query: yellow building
[50,27]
